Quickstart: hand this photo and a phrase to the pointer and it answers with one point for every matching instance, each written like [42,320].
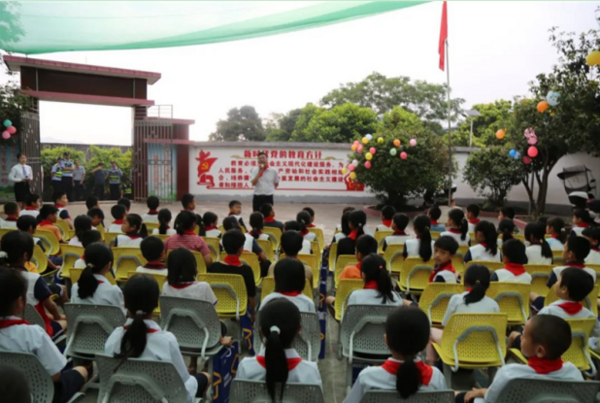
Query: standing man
[99,179]
[265,180]
[78,178]
[56,176]
[114,181]
[67,175]
[21,174]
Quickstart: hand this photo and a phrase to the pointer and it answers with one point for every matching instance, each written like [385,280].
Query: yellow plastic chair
[50,239]
[214,246]
[513,299]
[492,266]
[162,237]
[590,302]
[72,234]
[394,258]
[435,298]
[64,229]
[267,247]
[75,273]
[109,238]
[462,250]
[520,237]
[342,262]
[231,292]
[311,261]
[126,260]
[435,235]
[458,263]
[557,256]
[320,237]
[276,232]
[161,279]
[540,273]
[268,287]
[473,239]
[4,231]
[380,236]
[314,248]
[332,256]
[70,254]
[150,226]
[40,260]
[252,260]
[414,275]
[472,341]
[200,262]
[596,268]
[344,290]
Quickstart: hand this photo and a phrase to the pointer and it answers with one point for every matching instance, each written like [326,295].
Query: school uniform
[306,248]
[457,305]
[151,217]
[214,232]
[79,263]
[479,252]
[105,294]
[399,237]
[272,222]
[303,303]
[300,371]
[241,269]
[554,243]
[455,233]
[309,236]
[384,378]
[115,226]
[444,273]
[512,273]
[239,218]
[153,268]
[578,229]
[160,346]
[199,290]
[571,310]
[130,241]
[593,257]
[555,273]
[32,211]
[347,245]
[412,246]
[62,212]
[18,336]
[370,296]
[385,225]
[169,231]
[473,223]
[8,222]
[338,237]
[534,255]
[75,241]
[437,227]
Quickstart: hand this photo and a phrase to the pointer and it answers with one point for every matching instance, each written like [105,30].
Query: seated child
[487,247]
[279,323]
[357,220]
[545,339]
[19,336]
[141,337]
[344,211]
[125,203]
[164,219]
[34,203]
[443,249]
[458,227]
[188,202]
[257,225]
[291,244]
[592,234]
[506,228]
[97,216]
[514,257]
[399,237]
[135,231]
[209,227]
[48,216]
[574,254]
[82,223]
[92,202]
[473,216]
[311,212]
[250,245]
[235,210]
[555,227]
[538,251]
[365,245]
[153,250]
[87,238]
[61,202]
[118,212]
[152,215]
[28,224]
[387,215]
[434,215]
[269,213]
[378,289]
[345,228]
[186,237]
[403,371]
[581,221]
[289,284]
[11,210]
[507,213]
[303,218]
[421,245]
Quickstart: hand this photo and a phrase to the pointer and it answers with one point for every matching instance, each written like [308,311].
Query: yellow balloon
[369,156]
[352,175]
[365,140]
[380,140]
[344,170]
[593,58]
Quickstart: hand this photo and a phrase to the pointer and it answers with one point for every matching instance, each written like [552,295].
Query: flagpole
[449,133]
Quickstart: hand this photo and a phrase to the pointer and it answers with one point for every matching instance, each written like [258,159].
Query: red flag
[443,36]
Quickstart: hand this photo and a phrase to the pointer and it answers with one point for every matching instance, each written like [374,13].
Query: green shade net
[44,27]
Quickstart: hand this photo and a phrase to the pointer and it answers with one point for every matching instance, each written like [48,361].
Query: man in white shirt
[21,175]
[265,180]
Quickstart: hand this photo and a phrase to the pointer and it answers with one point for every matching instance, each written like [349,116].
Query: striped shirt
[191,242]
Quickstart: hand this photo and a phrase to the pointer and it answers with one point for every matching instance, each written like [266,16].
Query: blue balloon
[369,136]
[7,123]
[512,153]
[552,98]
[517,155]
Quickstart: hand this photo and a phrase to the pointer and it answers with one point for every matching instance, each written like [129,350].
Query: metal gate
[154,160]
[31,146]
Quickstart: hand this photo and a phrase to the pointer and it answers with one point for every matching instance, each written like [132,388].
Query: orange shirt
[52,228]
[350,272]
[31,267]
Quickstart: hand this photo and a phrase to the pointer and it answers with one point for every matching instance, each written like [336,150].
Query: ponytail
[558,225]
[506,228]
[134,339]
[201,225]
[135,220]
[303,219]
[489,233]
[143,231]
[478,277]
[546,250]
[537,230]
[257,224]
[464,228]
[408,378]
[275,362]
[185,221]
[358,218]
[374,269]
[87,283]
[421,225]
[458,218]
[164,218]
[97,256]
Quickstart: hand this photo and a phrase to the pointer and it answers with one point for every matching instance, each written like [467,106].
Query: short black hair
[234,202]
[435,213]
[365,245]
[291,226]
[233,240]
[578,282]
[552,332]
[47,210]
[118,211]
[447,243]
[187,199]
[32,198]
[10,208]
[91,202]
[125,202]
[401,221]
[515,251]
[579,246]
[309,211]
[16,244]
[96,212]
[291,242]
[58,195]
[508,212]
[388,212]
[266,209]
[230,223]
[152,202]
[290,275]
[25,222]
[592,232]
[89,237]
[152,247]
[473,209]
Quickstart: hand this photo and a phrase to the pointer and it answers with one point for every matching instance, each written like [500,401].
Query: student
[61,202]
[344,211]
[387,215]
[545,339]
[378,289]
[310,212]
[277,362]
[581,221]
[443,249]
[574,254]
[399,237]
[152,215]
[11,210]
[290,245]
[118,212]
[473,216]
[19,336]
[507,213]
[592,234]
[365,245]
[458,227]
[555,227]
[135,231]
[434,215]
[421,246]
[538,251]
[34,203]
[87,238]
[125,203]
[186,237]
[269,213]
[93,287]
[403,371]
[506,228]
[153,250]
[514,257]
[97,216]
[29,224]
[250,245]
[345,228]
[303,218]
[487,247]
[357,220]
[164,219]
[257,225]
[289,284]
[48,216]
[233,242]
[141,337]
[82,223]
[92,202]
[235,210]
[210,226]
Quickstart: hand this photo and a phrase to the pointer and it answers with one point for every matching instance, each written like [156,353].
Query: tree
[392,179]
[494,116]
[242,124]
[11,29]
[281,126]
[13,103]
[492,173]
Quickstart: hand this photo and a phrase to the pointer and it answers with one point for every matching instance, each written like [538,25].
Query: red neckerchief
[304,233]
[483,244]
[290,293]
[425,370]
[454,230]
[11,219]
[583,225]
[387,223]
[181,286]
[446,266]
[189,232]
[353,234]
[232,260]
[311,225]
[264,170]
[474,221]
[82,257]
[515,268]
[230,214]
[152,212]
[571,307]
[12,322]
[291,362]
[133,236]
[148,330]
[59,205]
[578,265]
[30,208]
[555,236]
[596,249]
[45,222]
[118,221]
[100,282]
[210,227]
[269,219]
[544,366]
[370,285]
[257,233]
[399,232]
[154,265]
[434,222]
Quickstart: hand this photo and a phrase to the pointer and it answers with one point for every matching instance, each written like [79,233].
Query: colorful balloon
[368,156]
[365,140]
[351,167]
[542,106]
[413,142]
[355,162]
[368,164]
[372,150]
[360,148]
[352,175]
[512,153]
[344,170]
[380,140]
[369,136]
[5,135]
[532,151]
[500,134]
[518,155]
[593,58]
[354,147]
[526,160]
[11,129]
[396,142]
[552,98]
[393,152]
[7,123]
[403,155]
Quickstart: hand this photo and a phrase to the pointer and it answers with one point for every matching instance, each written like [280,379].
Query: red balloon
[11,129]
[532,151]
[526,160]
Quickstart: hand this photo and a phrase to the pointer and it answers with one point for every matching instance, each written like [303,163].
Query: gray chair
[136,380]
[33,317]
[391,396]
[548,391]
[243,391]
[40,382]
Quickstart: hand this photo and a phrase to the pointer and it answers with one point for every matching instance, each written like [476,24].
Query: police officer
[114,181]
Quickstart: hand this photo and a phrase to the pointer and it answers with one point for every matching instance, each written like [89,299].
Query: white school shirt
[215,233]
[457,237]
[151,218]
[199,290]
[304,372]
[32,339]
[568,372]
[156,231]
[559,269]
[162,272]
[75,241]
[7,224]
[115,228]
[593,257]
[339,236]
[311,236]
[447,275]
[411,247]
[578,230]
[370,297]
[303,303]
[457,305]
[105,294]
[396,239]
[378,378]
[506,276]
[160,346]
[306,248]
[248,243]
[555,244]
[478,252]
[534,255]
[556,310]
[33,213]
[127,241]
[79,264]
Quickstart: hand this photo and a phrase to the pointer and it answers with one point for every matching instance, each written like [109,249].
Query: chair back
[342,262]
[557,256]
[414,275]
[214,246]
[161,279]
[49,240]
[435,235]
[139,380]
[380,235]
[394,257]
[312,261]
[268,286]
[40,259]
[458,263]
[70,253]
[362,328]
[540,273]
[332,256]
[314,248]
[41,386]
[435,298]
[320,237]
[65,230]
[251,260]
[589,302]
[527,390]
[345,288]
[391,396]
[151,226]
[231,293]
[513,299]
[492,266]
[4,231]
[578,354]
[162,237]
[109,238]
[276,232]
[243,391]
[596,268]
[127,259]
[267,247]
[89,328]
[33,317]
[462,250]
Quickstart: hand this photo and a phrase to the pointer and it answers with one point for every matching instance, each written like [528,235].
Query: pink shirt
[191,242]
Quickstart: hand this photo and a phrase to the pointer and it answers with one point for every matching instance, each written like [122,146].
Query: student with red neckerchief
[61,202]
[421,246]
[555,227]
[378,288]
[210,227]
[387,215]
[291,245]
[487,247]
[186,237]
[152,215]
[48,216]
[507,213]
[399,236]
[434,215]
[403,371]
[443,249]
[118,212]
[458,227]
[592,234]
[82,223]
[514,258]
[250,244]
[289,284]
[153,250]
[268,213]
[32,208]
[473,216]
[257,225]
[506,229]
[545,339]
[538,250]
[164,219]
[357,220]
[581,221]
[311,212]
[303,218]
[11,210]
[135,231]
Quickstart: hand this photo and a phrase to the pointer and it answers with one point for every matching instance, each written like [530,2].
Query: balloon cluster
[370,152]
[10,129]
[532,151]
[551,100]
